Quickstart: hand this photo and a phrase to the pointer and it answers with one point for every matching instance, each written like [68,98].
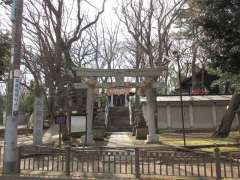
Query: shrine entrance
[118,96]
[118,86]
[118,100]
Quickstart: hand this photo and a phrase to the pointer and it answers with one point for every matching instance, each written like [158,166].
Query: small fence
[129,161]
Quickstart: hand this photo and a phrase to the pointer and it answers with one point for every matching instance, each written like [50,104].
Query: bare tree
[149,24]
[106,46]
[110,44]
[52,33]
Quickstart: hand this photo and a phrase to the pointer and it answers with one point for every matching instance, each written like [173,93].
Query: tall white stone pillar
[38,120]
[152,137]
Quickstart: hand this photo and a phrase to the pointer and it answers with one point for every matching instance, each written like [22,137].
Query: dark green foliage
[27,100]
[220,24]
[5,47]
[26,103]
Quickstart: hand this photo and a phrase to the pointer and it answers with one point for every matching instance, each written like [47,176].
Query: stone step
[119,119]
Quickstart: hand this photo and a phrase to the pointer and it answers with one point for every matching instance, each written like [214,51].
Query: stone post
[151,102]
[90,106]
[38,120]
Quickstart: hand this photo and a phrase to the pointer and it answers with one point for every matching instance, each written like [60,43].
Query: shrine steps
[119,119]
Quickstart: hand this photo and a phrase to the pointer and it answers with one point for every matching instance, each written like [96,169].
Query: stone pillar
[38,120]
[111,103]
[191,117]
[126,100]
[152,137]
[90,106]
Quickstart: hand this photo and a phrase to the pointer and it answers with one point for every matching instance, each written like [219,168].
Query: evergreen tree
[220,25]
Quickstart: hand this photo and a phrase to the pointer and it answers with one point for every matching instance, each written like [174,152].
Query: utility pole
[181,99]
[13,87]
[177,56]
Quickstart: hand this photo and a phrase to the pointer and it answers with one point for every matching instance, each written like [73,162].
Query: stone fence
[200,112]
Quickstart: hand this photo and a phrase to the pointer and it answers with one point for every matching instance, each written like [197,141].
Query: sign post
[60,119]
[181,98]
[79,126]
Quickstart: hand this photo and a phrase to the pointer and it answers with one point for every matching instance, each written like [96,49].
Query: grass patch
[201,139]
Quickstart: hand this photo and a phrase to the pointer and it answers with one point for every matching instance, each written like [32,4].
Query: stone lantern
[140,126]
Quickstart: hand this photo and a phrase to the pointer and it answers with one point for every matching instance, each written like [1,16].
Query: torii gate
[90,83]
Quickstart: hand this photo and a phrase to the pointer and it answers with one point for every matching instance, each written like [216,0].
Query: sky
[109,17]
[4,19]
[109,14]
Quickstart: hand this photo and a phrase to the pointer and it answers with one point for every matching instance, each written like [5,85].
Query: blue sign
[61,119]
[13,11]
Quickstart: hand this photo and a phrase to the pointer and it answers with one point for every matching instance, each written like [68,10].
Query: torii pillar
[152,137]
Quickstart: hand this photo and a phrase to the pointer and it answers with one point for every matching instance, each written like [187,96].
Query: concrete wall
[198,115]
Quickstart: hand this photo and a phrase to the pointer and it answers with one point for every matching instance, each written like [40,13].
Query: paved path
[113,139]
[120,139]
[50,136]
[117,139]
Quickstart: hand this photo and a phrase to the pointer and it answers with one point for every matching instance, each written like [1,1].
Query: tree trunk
[194,58]
[224,128]
[166,81]
[51,102]
[1,109]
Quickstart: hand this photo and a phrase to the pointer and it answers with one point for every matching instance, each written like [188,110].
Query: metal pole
[68,156]
[137,167]
[218,163]
[60,134]
[181,101]
[86,132]
[10,137]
